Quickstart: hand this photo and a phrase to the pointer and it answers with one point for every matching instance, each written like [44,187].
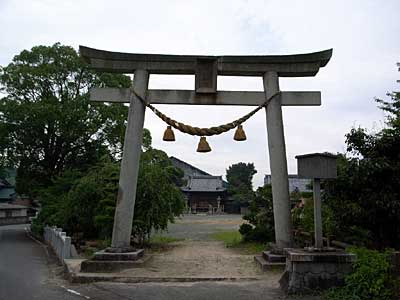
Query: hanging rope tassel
[239,134]
[203,132]
[169,135]
[203,145]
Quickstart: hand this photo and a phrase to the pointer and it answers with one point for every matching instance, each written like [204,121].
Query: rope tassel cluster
[203,146]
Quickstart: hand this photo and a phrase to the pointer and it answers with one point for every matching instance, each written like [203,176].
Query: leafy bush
[303,218]
[260,217]
[371,279]
[84,204]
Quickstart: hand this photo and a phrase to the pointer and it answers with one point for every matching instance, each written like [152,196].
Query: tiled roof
[174,159]
[204,184]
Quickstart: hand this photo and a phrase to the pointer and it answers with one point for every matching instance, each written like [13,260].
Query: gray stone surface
[307,272]
[309,98]
[104,255]
[124,209]
[106,266]
[300,255]
[286,65]
[104,261]
[266,265]
[319,243]
[59,242]
[317,165]
[278,163]
[272,257]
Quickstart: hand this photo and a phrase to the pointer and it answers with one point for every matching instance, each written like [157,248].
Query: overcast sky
[364,36]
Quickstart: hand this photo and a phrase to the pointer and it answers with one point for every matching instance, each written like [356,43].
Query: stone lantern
[315,267]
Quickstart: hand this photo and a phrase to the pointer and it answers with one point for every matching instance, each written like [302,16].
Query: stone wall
[59,242]
[307,272]
[14,220]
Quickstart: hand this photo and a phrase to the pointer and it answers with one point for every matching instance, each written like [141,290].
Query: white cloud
[363,35]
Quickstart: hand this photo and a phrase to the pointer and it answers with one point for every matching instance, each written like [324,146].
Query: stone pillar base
[308,271]
[270,261]
[112,261]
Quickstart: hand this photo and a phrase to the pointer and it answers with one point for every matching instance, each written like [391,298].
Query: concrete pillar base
[275,249]
[105,261]
[270,261]
[307,271]
[119,250]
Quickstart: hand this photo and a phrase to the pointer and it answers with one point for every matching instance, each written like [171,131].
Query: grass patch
[163,240]
[160,243]
[230,238]
[234,240]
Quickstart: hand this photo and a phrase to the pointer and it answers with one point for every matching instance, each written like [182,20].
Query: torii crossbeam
[206,70]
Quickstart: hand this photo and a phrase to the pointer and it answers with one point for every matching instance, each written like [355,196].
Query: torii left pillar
[278,164]
[125,205]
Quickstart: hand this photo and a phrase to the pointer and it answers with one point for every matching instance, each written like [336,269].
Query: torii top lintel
[298,65]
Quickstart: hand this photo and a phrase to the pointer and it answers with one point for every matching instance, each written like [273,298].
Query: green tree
[159,199]
[365,197]
[240,186]
[47,123]
[84,204]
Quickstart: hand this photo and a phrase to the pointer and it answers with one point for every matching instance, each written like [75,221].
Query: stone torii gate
[206,70]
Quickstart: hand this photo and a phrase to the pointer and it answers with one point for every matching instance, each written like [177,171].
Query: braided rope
[203,131]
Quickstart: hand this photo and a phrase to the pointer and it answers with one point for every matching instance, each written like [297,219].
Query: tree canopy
[365,198]
[67,149]
[240,178]
[47,124]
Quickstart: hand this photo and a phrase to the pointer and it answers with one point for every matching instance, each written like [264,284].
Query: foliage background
[66,149]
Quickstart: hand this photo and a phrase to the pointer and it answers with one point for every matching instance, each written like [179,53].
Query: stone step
[273,258]
[268,266]
[110,256]
[105,266]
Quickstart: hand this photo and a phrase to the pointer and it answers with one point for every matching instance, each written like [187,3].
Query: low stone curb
[75,276]
[96,278]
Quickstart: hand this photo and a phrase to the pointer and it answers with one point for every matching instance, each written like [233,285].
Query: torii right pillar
[278,164]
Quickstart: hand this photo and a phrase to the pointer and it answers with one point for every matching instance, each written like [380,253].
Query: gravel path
[198,255]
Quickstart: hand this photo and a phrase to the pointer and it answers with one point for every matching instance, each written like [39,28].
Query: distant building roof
[204,184]
[187,168]
[295,183]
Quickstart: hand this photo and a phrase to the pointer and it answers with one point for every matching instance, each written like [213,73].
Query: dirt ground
[197,255]
[203,259]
